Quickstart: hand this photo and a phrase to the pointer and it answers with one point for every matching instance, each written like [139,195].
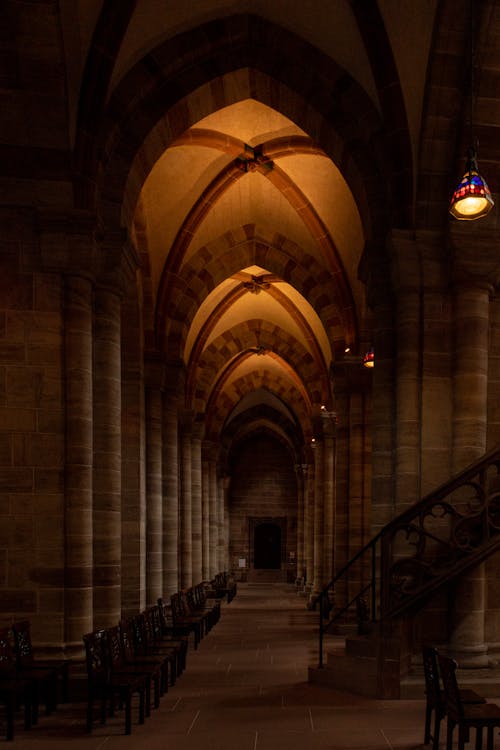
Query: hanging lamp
[369,358]
[472,198]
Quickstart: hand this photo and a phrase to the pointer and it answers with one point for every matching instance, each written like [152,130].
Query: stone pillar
[467,640]
[309,525]
[186,539]
[222,504]
[107,458]
[329,510]
[196,504]
[211,449]
[319,518]
[78,605]
[380,301]
[301,498]
[154,509]
[406,274]
[205,508]
[171,488]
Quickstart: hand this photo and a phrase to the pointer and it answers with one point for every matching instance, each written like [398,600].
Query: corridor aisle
[246,689]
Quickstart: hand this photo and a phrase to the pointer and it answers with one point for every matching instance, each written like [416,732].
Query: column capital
[117,261]
[154,371]
[474,251]
[174,378]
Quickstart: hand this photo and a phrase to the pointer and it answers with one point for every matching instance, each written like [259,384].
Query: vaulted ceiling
[258,153]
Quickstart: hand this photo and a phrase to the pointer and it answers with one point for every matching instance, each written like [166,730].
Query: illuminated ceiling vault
[253,240]
[248,149]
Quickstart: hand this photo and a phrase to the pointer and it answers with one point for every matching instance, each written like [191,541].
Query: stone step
[357,673]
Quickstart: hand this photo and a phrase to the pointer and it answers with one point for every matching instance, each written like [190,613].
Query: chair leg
[449,734]
[427,728]
[489,741]
[141,706]
[437,728]
[479,738]
[128,713]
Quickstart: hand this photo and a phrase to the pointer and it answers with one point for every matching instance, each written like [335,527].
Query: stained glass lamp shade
[472,198]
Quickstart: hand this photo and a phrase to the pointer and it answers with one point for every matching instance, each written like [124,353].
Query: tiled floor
[246,689]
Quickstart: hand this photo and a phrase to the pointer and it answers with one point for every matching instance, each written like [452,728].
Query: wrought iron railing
[452,529]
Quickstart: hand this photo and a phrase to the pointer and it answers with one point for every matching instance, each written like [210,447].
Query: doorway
[267,546]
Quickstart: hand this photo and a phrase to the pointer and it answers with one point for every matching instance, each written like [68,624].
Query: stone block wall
[31,436]
[263,487]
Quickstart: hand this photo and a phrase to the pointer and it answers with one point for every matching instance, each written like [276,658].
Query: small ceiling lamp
[369,358]
[472,198]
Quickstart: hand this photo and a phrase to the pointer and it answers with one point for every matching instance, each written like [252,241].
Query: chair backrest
[114,647]
[150,628]
[96,655]
[431,675]
[138,629]
[177,611]
[452,698]
[7,655]
[127,640]
[22,643]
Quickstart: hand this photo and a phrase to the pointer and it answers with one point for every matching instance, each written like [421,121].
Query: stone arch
[223,401]
[237,249]
[150,108]
[205,372]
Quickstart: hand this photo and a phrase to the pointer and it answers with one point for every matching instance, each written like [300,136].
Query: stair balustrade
[434,541]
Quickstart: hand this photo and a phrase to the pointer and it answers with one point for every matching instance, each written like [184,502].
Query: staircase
[386,583]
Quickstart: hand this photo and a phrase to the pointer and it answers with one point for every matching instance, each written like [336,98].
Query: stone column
[467,640]
[154,509]
[222,503]
[107,457]
[309,525]
[406,274]
[329,513]
[171,488]
[380,301]
[78,485]
[196,504]
[301,495]
[319,518]
[205,507]
[211,449]
[186,576]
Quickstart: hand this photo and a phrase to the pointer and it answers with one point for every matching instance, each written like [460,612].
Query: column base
[470,657]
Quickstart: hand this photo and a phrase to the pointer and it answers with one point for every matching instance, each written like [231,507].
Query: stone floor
[245,689]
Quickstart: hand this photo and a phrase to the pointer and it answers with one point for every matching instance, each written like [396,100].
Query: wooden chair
[103,686]
[147,644]
[435,701]
[200,604]
[121,670]
[465,715]
[181,643]
[42,681]
[185,623]
[156,664]
[15,690]
[26,659]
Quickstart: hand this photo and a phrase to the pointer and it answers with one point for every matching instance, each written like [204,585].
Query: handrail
[450,530]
